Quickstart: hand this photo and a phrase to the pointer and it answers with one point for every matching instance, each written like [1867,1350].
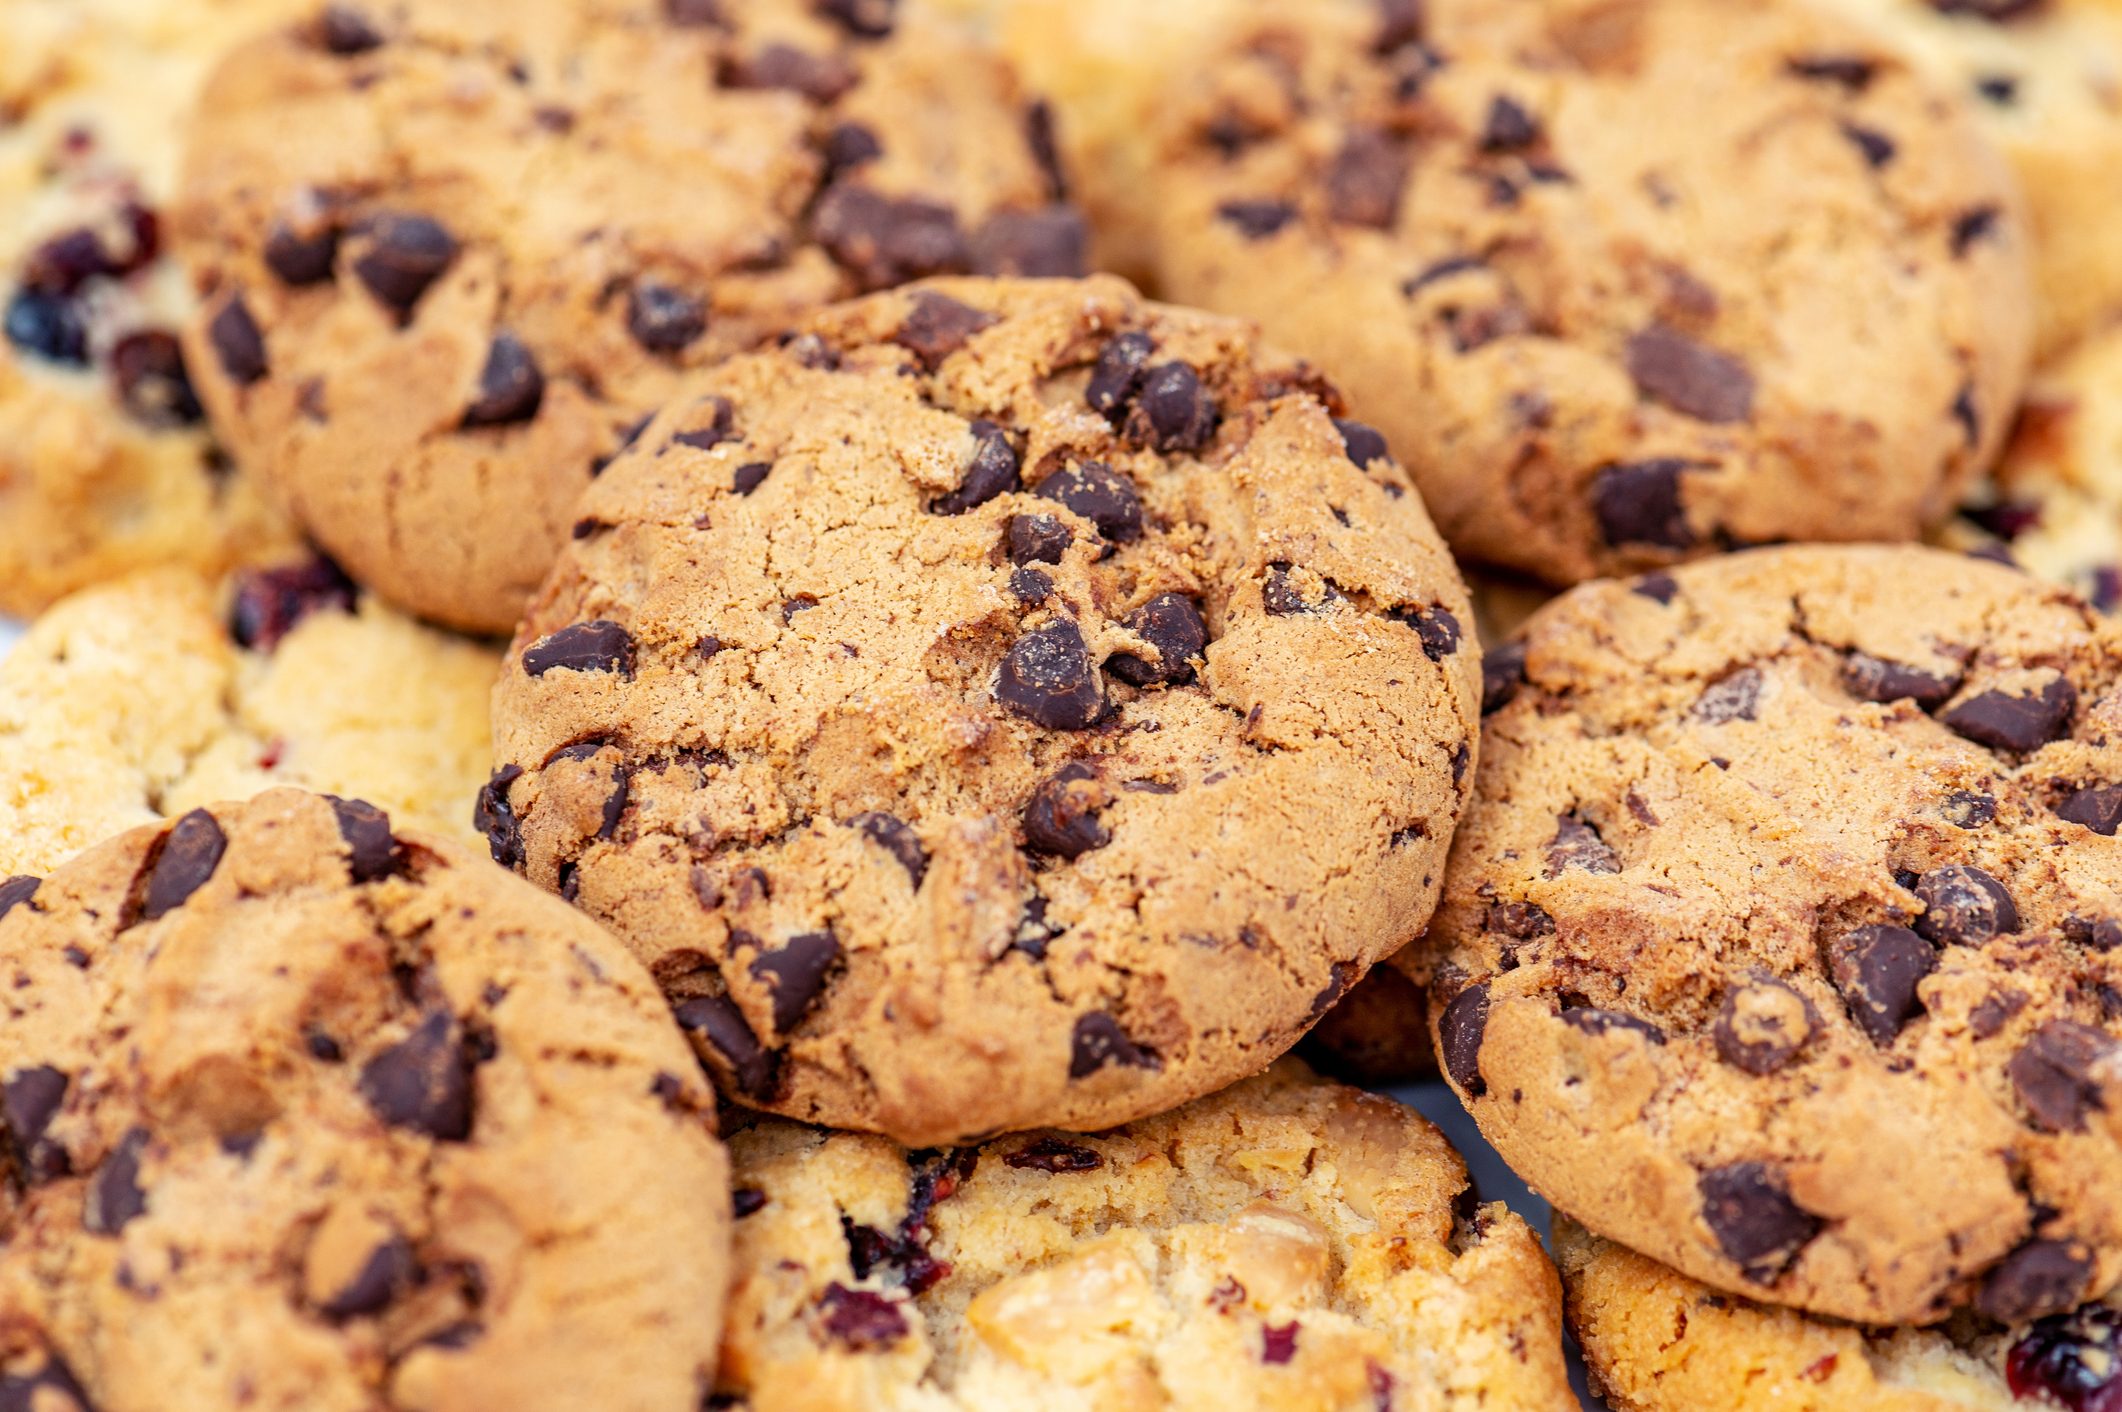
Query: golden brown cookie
[511,226]
[1783,939]
[302,1114]
[1284,1244]
[1009,704]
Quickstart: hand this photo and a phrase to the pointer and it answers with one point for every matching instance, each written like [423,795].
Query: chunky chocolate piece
[2041,1277]
[493,816]
[404,254]
[372,852]
[1061,818]
[1435,626]
[2053,1075]
[2005,720]
[238,342]
[1502,674]
[1118,374]
[1964,906]
[153,386]
[1764,1025]
[423,1082]
[1878,969]
[1736,697]
[795,975]
[17,892]
[663,318]
[1098,1042]
[1038,539]
[895,837]
[511,387]
[885,241]
[1757,1225]
[1459,1032]
[1099,494]
[388,1272]
[1363,443]
[49,326]
[598,646]
[1257,220]
[29,1099]
[1174,409]
[1170,624]
[1875,679]
[1365,180]
[1053,243]
[346,30]
[1577,844]
[183,862]
[300,255]
[2096,806]
[1691,378]
[1638,502]
[115,1196]
[939,326]
[992,471]
[1048,678]
[726,1044]
[1053,1154]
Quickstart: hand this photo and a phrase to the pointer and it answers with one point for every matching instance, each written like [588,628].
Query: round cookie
[1008,704]
[1284,1244]
[105,466]
[151,695]
[510,229]
[299,1114]
[1657,1341]
[1613,306]
[1783,938]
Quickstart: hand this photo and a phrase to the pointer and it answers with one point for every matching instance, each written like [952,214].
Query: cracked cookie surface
[299,1113]
[1783,938]
[1612,306]
[512,226]
[1010,704]
[1284,1244]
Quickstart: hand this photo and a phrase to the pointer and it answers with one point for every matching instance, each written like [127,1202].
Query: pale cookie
[453,252]
[298,1114]
[104,464]
[1284,1244]
[1010,704]
[1613,306]
[152,695]
[1783,939]
[1657,1341]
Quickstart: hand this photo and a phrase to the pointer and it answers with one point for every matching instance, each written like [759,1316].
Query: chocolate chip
[2095,806]
[1366,178]
[747,1201]
[1400,23]
[153,386]
[663,318]
[795,975]
[1972,226]
[511,387]
[424,1081]
[1521,921]
[371,851]
[1282,596]
[1870,678]
[1098,1041]
[726,1043]
[992,471]
[1877,969]
[1061,818]
[1052,1154]
[1510,128]
[1736,697]
[597,646]
[884,241]
[1032,587]
[48,326]
[1048,678]
[1964,906]
[2095,933]
[1038,539]
[1968,809]
[1577,844]
[388,1272]
[1172,625]
[2053,1074]
[2040,1277]
[185,859]
[238,344]
[1178,412]
[749,477]
[1257,220]
[2005,721]
[1638,502]
[1053,243]
[1099,494]
[719,428]
[865,19]
[1594,1021]
[850,145]
[1117,375]
[1459,1032]
[897,838]
[860,1320]
[939,326]
[49,1386]
[16,891]
[1876,147]
[1689,377]
[29,1100]
[1763,1025]
[822,78]
[345,31]
[115,1199]
[493,816]
[302,256]
[406,253]
[1758,1227]
[1502,674]
[1362,444]
[1848,71]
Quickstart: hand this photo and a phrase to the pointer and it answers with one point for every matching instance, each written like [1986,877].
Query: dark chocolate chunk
[1968,809]
[1757,1225]
[493,816]
[1878,969]
[795,975]
[1638,502]
[1257,220]
[1038,539]
[1031,586]
[1365,179]
[270,603]
[597,646]
[46,1386]
[865,19]
[1117,375]
[2053,1074]
[405,254]
[819,77]
[1400,23]
[1736,697]
[344,30]
[727,1045]
[1964,906]
[388,1272]
[1763,1025]
[1876,147]
[884,241]
[2003,720]
[17,891]
[1996,12]
[1870,678]
[1973,226]
[747,1201]
[238,342]
[1172,625]
[186,858]
[1053,243]
[1660,588]
[992,471]
[1283,596]
[1100,494]
[1098,1041]
[1521,921]
[1362,443]
[424,1081]
[2041,1277]
[371,851]
[115,1198]
[2096,806]
[664,319]
[1577,844]
[897,838]
[749,477]
[1689,377]
[1174,410]
[1594,1021]
[1848,71]
[860,1320]
[1048,678]
[1435,626]
[1053,1154]
[939,326]
[1061,818]
[302,256]
[1502,674]
[153,386]
[1509,128]
[29,1100]
[50,326]
[511,386]
[1459,1032]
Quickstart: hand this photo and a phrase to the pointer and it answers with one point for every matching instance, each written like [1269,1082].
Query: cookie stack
[963,721]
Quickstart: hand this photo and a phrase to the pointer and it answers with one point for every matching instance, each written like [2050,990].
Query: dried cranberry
[2074,1360]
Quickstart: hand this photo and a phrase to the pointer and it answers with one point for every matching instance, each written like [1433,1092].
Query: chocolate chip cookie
[299,1112]
[1781,940]
[1657,1341]
[1613,306]
[510,230]
[1286,1243]
[1006,704]
[105,466]
[145,697]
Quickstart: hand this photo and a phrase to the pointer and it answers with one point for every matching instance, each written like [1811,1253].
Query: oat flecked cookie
[1009,704]
[1783,939]
[145,697]
[1657,1341]
[299,1114]
[453,252]
[1284,1244]
[104,464]
[1613,305]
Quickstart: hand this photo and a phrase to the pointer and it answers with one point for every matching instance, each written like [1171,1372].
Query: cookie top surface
[299,1114]
[1613,306]
[156,693]
[973,758]
[1286,1243]
[105,466]
[1783,939]
[510,228]
[1657,1341]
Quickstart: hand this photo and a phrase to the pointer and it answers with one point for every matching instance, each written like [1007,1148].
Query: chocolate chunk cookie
[301,1112]
[148,696]
[1657,1341]
[1613,306]
[105,464]
[509,232]
[1286,1243]
[1781,941]
[1006,704]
